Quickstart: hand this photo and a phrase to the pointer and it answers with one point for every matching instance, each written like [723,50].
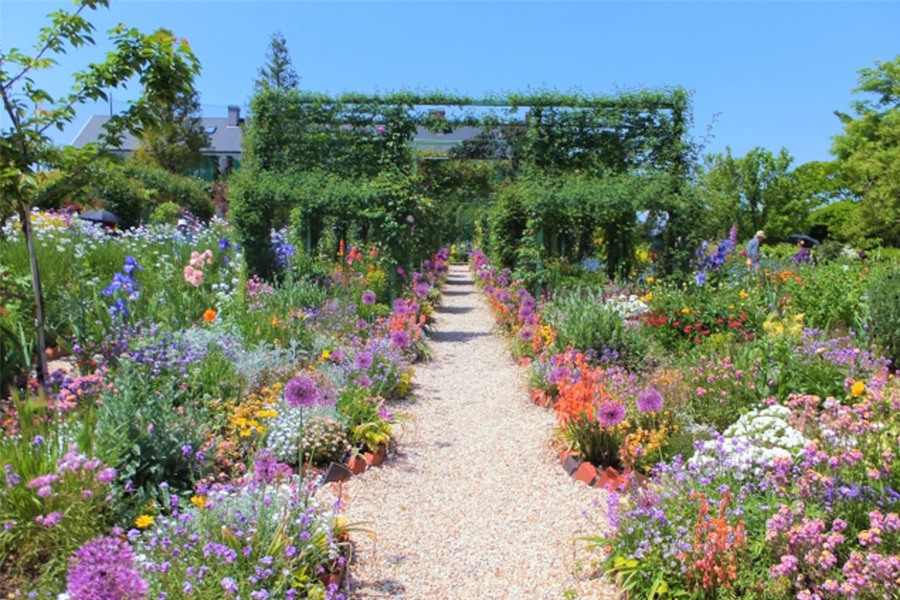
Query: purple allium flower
[421,290]
[610,414]
[521,293]
[368,297]
[267,468]
[504,296]
[103,569]
[400,307]
[301,392]
[488,289]
[37,440]
[557,374]
[649,401]
[187,451]
[363,381]
[400,338]
[363,361]
[526,334]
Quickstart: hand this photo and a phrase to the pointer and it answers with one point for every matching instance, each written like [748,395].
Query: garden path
[474,505]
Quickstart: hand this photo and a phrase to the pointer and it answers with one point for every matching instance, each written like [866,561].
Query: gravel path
[474,505]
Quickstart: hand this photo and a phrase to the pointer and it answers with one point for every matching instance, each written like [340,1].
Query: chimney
[234,116]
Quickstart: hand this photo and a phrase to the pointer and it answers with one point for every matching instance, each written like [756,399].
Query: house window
[211,129]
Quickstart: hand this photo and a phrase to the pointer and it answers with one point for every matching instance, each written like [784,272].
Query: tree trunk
[28,230]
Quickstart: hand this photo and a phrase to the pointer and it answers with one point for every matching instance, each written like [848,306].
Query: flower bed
[767,437]
[181,452]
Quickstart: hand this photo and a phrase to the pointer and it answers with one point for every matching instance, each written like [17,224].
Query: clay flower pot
[586,473]
[611,480]
[373,459]
[356,464]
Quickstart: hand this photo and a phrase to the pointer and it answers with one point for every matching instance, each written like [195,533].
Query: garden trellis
[296,139]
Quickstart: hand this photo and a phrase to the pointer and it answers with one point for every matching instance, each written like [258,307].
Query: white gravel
[474,505]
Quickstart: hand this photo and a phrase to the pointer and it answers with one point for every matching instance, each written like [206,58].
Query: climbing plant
[326,149]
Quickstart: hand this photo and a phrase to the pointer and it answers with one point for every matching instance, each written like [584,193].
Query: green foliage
[142,432]
[176,139]
[842,221]
[884,312]
[869,150]
[166,213]
[278,73]
[124,197]
[592,442]
[758,191]
[27,547]
[187,192]
[583,321]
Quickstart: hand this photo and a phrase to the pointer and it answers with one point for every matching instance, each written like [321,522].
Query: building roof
[224,139]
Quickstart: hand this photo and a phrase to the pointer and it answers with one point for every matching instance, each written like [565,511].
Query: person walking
[753,248]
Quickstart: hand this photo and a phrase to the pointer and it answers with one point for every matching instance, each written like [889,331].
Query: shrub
[166,213]
[583,320]
[884,314]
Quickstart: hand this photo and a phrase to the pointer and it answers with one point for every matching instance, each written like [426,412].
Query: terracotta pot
[373,459]
[333,578]
[586,473]
[611,479]
[357,464]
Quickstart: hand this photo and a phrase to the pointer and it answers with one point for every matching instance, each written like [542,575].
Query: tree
[176,140]
[278,73]
[869,149]
[758,191]
[164,67]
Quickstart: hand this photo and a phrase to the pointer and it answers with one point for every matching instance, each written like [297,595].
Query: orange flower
[209,315]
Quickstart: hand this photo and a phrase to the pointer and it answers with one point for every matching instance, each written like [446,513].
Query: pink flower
[193,276]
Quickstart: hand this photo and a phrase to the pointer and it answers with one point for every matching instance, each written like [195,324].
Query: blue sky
[773,72]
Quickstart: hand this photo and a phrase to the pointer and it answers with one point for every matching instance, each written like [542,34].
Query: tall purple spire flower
[301,392]
[103,569]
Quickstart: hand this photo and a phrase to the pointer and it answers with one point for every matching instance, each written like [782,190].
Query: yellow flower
[253,423]
[647,298]
[731,307]
[650,280]
[199,501]
[326,354]
[261,429]
[685,311]
[743,294]
[144,521]
[245,432]
[858,389]
[241,422]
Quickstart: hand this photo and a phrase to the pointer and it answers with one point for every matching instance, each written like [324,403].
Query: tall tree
[758,191]
[164,67]
[175,141]
[278,72]
[869,149]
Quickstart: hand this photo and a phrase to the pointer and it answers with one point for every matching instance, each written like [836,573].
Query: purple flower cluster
[104,569]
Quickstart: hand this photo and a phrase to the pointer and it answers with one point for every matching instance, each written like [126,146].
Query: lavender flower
[649,401]
[301,392]
[610,414]
[103,569]
[106,475]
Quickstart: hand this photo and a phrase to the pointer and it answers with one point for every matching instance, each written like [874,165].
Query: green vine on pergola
[359,137]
